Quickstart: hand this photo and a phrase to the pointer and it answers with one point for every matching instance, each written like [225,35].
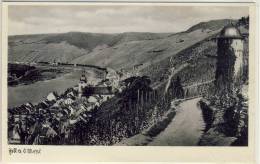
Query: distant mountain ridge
[212,25]
[118,51]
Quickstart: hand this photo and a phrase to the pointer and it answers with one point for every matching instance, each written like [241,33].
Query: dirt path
[185,129]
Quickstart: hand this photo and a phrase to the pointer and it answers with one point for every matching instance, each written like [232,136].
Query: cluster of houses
[58,119]
[47,121]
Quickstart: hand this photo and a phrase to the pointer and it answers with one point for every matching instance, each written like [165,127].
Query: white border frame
[141,153]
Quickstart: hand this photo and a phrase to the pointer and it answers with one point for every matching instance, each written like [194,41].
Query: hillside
[211,25]
[66,47]
[109,50]
[196,63]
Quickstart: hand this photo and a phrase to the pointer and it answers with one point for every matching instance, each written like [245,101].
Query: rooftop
[230,31]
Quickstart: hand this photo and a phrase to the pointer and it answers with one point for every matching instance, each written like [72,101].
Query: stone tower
[229,71]
[82,85]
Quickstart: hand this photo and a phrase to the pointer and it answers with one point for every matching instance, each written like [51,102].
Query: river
[186,127]
[38,91]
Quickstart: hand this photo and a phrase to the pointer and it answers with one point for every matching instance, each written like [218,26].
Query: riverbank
[36,92]
[19,75]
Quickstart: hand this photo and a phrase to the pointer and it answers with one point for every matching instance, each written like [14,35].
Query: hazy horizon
[27,20]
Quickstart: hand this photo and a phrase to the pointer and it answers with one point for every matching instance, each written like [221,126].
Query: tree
[178,91]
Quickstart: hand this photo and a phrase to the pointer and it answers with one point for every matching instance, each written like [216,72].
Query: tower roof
[230,31]
[83,78]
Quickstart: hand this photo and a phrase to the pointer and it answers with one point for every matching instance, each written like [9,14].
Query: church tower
[82,85]
[229,60]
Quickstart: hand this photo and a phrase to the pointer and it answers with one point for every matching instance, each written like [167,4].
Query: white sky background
[113,19]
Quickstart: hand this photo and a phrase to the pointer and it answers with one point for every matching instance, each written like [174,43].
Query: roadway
[186,127]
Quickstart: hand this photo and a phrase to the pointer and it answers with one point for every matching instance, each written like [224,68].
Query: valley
[121,84]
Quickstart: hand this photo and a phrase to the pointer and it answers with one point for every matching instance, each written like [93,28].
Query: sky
[113,19]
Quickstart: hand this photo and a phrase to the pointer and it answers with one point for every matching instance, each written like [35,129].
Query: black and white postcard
[138,79]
